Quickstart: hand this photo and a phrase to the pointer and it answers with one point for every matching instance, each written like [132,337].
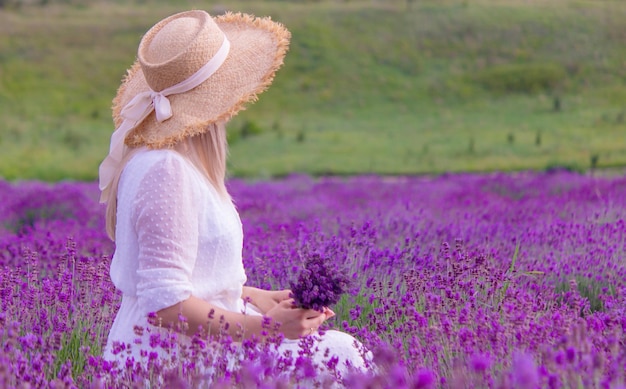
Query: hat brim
[258,47]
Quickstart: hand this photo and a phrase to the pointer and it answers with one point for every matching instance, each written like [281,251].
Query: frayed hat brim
[258,49]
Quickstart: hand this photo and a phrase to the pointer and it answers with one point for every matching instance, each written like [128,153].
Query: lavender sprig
[320,284]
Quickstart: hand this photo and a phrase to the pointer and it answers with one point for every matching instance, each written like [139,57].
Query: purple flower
[424,379]
[320,284]
[524,371]
[423,319]
[305,367]
[480,362]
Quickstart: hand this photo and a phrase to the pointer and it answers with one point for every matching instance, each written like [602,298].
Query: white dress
[176,237]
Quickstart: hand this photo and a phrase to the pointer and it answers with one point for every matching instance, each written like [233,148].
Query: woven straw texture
[177,47]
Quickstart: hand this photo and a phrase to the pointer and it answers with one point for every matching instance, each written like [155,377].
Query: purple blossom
[449,276]
[320,284]
[424,379]
[524,372]
[480,362]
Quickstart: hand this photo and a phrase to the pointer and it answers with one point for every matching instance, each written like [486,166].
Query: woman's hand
[297,322]
[265,300]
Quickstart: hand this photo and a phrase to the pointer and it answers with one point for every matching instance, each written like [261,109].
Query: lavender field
[458,281]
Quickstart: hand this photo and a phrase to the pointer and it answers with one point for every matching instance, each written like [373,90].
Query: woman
[178,236]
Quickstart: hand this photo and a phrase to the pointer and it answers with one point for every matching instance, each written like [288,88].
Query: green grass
[589,289]
[368,86]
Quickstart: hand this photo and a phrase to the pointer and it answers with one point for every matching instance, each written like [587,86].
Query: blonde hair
[207,151]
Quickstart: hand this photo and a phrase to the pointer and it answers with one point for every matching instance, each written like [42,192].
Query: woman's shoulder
[157,161]
[149,157]
[157,167]
[166,167]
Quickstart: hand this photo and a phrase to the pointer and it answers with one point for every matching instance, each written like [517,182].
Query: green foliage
[233,137]
[350,303]
[567,166]
[239,130]
[28,216]
[250,128]
[522,78]
[556,105]
[73,139]
[589,289]
[593,160]
[75,348]
[509,273]
[510,138]
[374,84]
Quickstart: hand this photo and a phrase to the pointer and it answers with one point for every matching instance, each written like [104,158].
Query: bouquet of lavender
[320,284]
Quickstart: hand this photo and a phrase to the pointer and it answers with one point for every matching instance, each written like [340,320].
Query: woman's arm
[166,224]
[264,299]
[294,322]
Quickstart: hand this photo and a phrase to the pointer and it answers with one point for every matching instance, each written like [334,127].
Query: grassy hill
[377,86]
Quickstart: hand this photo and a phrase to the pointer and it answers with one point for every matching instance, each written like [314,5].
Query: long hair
[207,152]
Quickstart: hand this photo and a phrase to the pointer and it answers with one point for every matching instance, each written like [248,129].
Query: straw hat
[178,46]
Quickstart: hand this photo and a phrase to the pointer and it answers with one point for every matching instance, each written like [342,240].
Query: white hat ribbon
[142,105]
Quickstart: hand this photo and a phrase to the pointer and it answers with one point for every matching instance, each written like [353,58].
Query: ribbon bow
[140,106]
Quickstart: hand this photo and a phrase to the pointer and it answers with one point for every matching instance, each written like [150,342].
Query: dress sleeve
[167,234]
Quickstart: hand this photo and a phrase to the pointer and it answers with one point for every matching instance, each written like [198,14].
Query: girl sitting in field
[178,236]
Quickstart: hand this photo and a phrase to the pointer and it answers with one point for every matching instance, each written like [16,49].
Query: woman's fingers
[312,313]
[297,322]
[288,303]
[314,323]
[283,295]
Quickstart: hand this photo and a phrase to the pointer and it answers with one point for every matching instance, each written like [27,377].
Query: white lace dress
[176,237]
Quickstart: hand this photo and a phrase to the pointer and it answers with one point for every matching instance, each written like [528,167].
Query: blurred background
[369,86]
